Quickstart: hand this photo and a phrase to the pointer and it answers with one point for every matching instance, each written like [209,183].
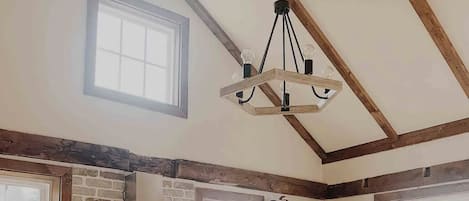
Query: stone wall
[178,190]
[97,185]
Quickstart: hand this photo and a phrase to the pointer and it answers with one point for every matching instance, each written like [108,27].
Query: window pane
[19,193]
[107,70]
[108,32]
[132,76]
[133,41]
[156,84]
[157,48]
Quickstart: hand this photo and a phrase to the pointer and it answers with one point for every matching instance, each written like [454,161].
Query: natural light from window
[135,55]
[21,190]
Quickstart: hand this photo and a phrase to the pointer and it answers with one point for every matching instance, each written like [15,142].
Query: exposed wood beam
[424,192]
[153,165]
[438,174]
[315,31]
[248,179]
[61,150]
[49,148]
[438,34]
[216,29]
[410,138]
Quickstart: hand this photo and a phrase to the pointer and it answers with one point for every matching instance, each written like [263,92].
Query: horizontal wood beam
[153,165]
[420,193]
[56,149]
[326,46]
[410,138]
[69,151]
[216,29]
[248,179]
[442,41]
[419,177]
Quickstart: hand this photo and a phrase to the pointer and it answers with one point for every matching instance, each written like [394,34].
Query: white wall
[41,90]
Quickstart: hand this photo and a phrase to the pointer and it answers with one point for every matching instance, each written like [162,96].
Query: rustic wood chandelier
[234,92]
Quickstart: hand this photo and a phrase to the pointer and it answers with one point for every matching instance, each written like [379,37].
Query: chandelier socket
[282,7]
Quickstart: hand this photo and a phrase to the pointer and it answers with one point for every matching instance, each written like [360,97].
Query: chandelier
[250,80]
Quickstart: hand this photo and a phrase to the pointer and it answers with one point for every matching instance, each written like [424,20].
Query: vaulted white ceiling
[387,48]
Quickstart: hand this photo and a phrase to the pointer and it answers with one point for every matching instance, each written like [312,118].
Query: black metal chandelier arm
[240,101]
[317,95]
[283,43]
[292,48]
[296,38]
[261,68]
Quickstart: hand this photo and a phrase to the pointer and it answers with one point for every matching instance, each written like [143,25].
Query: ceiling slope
[443,43]
[329,50]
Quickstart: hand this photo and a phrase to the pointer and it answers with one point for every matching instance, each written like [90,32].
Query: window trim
[49,193]
[63,173]
[179,110]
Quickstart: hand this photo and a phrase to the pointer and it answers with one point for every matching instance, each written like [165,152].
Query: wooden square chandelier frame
[229,92]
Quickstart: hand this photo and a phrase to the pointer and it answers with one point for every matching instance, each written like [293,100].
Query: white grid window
[24,189]
[137,55]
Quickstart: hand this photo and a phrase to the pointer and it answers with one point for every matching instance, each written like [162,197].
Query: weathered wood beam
[410,138]
[424,192]
[249,179]
[216,29]
[438,174]
[61,150]
[56,149]
[153,165]
[442,41]
[315,31]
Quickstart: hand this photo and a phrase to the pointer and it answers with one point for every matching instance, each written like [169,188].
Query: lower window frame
[63,173]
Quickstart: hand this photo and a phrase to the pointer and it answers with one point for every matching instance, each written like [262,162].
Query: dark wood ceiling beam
[410,138]
[216,174]
[69,151]
[442,190]
[442,41]
[419,177]
[216,29]
[326,46]
[62,150]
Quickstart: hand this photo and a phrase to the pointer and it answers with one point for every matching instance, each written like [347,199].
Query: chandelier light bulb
[309,51]
[248,56]
[237,76]
[328,72]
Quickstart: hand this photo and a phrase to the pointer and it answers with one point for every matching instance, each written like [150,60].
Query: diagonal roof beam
[438,34]
[200,10]
[315,31]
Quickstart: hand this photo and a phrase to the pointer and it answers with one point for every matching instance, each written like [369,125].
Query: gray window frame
[179,110]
